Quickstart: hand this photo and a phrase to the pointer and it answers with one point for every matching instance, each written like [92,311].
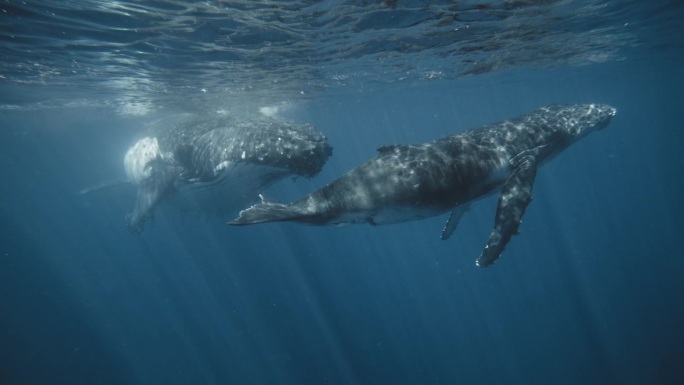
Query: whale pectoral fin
[150,192]
[453,220]
[149,195]
[516,194]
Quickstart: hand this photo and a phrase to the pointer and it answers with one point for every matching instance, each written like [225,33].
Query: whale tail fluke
[266,211]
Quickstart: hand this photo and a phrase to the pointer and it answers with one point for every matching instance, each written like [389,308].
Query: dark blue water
[588,293]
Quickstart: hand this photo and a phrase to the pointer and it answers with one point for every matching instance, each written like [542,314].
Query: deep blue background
[589,292]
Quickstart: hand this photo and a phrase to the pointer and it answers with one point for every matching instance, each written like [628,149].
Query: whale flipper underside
[516,194]
[151,190]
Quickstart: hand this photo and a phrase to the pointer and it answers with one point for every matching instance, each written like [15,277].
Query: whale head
[580,120]
[563,125]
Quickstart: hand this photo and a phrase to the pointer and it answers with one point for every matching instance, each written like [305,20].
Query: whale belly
[397,214]
[383,216]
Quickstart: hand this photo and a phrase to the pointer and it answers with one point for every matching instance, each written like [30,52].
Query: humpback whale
[213,163]
[410,182]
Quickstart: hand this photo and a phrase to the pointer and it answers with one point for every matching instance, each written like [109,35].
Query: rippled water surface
[144,54]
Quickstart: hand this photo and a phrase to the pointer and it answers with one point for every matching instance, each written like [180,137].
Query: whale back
[298,149]
[543,132]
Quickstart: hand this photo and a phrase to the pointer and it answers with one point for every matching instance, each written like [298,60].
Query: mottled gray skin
[195,151]
[408,182]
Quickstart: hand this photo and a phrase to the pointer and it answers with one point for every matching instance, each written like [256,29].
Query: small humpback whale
[214,163]
[410,182]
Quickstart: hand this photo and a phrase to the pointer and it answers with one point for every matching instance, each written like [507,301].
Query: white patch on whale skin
[222,166]
[138,156]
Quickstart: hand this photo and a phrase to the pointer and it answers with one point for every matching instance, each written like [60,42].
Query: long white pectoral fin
[516,194]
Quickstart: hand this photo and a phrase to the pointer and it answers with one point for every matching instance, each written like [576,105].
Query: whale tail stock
[266,211]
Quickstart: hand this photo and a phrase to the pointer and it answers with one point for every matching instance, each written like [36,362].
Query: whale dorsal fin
[391,148]
[453,220]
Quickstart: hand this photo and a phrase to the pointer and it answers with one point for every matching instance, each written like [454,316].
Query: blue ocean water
[588,293]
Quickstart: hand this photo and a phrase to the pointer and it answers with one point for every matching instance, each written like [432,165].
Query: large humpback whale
[409,182]
[214,163]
